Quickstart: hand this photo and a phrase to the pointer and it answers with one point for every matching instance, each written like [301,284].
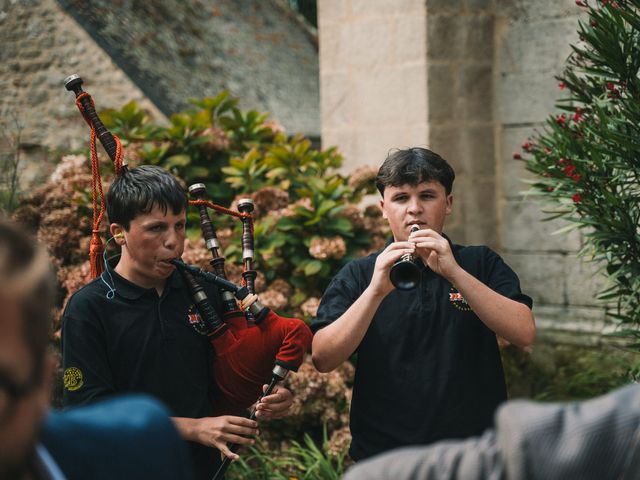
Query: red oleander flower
[562,85]
[576,177]
[516,156]
[568,170]
[577,198]
[527,146]
[578,116]
[561,119]
[611,86]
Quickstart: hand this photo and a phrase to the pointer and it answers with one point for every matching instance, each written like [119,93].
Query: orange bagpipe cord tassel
[96,246]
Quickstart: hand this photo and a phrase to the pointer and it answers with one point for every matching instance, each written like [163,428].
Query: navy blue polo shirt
[428,368]
[134,341]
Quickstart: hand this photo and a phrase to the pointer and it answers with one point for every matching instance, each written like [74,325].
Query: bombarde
[405,273]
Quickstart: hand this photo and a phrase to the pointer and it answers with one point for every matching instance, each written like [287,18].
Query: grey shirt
[597,439]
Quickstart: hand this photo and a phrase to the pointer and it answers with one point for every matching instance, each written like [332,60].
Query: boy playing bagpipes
[135,328]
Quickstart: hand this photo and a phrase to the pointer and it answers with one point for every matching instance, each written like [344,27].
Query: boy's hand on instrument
[435,252]
[380,282]
[220,432]
[274,405]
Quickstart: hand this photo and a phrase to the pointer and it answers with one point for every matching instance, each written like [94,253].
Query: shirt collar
[128,289]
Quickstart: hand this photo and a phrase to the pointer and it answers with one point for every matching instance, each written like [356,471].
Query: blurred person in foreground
[109,440]
[428,365]
[596,439]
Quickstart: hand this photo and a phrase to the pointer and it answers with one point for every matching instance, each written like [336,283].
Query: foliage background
[586,160]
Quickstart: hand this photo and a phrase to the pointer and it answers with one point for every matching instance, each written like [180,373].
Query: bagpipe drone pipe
[249,340]
[254,346]
[256,337]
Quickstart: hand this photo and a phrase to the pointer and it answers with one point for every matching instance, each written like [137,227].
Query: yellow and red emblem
[458,301]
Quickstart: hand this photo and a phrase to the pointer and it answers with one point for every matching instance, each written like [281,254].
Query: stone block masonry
[471,79]
[41,46]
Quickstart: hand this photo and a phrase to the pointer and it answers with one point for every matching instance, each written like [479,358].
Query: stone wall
[158,53]
[460,92]
[41,46]
[373,76]
[532,43]
[482,81]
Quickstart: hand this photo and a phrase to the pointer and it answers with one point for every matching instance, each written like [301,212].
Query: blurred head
[413,166]
[26,367]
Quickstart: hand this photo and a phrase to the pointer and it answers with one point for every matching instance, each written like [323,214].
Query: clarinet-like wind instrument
[405,273]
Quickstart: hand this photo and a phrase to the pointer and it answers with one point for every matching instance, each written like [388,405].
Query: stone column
[397,74]
[460,117]
[373,77]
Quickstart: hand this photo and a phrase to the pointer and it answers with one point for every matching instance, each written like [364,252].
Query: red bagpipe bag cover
[245,355]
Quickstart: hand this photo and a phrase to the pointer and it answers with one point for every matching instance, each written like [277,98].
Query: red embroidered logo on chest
[195,320]
[457,300]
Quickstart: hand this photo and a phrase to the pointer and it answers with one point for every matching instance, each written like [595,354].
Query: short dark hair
[140,190]
[26,277]
[412,166]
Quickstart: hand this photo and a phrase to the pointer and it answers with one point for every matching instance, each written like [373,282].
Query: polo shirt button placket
[161,319]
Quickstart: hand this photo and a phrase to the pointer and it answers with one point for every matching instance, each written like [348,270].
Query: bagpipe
[253,345]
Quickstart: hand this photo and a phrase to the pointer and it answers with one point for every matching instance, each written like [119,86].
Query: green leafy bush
[307,224]
[587,158]
[568,372]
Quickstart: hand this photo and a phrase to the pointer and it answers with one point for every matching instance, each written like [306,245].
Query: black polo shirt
[133,341]
[428,368]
